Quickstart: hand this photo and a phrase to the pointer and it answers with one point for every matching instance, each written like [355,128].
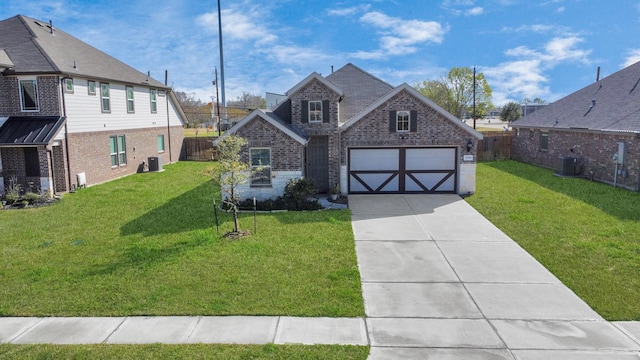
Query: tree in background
[197,111]
[248,101]
[511,112]
[454,92]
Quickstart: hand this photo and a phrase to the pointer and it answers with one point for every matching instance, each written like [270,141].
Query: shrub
[31,197]
[299,189]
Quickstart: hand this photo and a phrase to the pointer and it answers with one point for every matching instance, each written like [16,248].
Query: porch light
[469,145]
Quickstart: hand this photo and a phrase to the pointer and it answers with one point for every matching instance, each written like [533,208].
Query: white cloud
[474,11]
[350,10]
[525,75]
[539,29]
[632,57]
[400,36]
[560,9]
[238,24]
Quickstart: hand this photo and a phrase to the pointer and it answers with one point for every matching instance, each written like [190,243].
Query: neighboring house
[354,130]
[594,132]
[71,115]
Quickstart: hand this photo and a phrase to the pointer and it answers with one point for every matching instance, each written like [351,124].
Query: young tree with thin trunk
[232,172]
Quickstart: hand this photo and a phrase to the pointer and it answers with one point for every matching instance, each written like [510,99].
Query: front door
[318,162]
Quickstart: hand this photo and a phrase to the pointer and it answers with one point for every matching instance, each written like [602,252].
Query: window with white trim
[315,111]
[154,100]
[402,121]
[105,97]
[260,166]
[91,87]
[130,102]
[29,95]
[68,85]
[118,148]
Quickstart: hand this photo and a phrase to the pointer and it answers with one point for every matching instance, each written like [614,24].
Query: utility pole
[221,58]
[474,96]
[218,104]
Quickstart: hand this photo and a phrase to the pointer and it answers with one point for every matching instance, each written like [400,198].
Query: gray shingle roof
[33,48]
[611,104]
[360,89]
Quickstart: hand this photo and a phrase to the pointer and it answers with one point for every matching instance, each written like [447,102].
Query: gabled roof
[271,118]
[611,104]
[30,130]
[35,48]
[314,76]
[418,95]
[5,62]
[360,89]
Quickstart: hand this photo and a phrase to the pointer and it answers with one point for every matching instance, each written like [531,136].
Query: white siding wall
[84,111]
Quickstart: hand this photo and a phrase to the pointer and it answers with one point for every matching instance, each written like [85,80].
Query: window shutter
[325,111]
[305,111]
[392,121]
[413,121]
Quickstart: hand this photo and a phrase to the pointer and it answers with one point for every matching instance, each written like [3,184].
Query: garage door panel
[430,181]
[378,159]
[440,159]
[387,182]
[400,170]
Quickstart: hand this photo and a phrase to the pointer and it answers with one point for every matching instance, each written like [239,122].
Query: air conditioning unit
[567,166]
[155,163]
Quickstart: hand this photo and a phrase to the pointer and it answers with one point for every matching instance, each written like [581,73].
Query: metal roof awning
[29,130]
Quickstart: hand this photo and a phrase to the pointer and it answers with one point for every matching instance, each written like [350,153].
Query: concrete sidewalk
[440,281]
[184,330]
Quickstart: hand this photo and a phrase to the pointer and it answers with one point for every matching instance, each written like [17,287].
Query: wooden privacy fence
[198,149]
[496,145]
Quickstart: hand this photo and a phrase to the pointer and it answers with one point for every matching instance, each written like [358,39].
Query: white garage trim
[402,170]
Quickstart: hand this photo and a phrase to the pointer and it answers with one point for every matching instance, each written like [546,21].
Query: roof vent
[593,102]
[51,27]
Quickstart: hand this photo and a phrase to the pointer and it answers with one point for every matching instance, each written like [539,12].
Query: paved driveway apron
[441,282]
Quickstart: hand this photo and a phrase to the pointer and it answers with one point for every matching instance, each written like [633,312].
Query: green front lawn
[197,351]
[586,233]
[147,245]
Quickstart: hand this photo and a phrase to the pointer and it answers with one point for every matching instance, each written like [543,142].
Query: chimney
[598,75]
[51,27]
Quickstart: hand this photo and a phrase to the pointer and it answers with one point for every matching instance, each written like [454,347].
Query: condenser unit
[567,166]
[155,163]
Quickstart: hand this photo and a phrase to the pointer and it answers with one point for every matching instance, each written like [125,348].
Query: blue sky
[545,48]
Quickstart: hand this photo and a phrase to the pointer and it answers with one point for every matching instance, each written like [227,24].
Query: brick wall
[593,150]
[315,90]
[48,97]
[14,166]
[433,128]
[90,153]
[286,153]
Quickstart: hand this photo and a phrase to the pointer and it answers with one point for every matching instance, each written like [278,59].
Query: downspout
[66,135]
[166,79]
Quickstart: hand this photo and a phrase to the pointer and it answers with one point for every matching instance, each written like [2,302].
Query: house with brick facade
[354,130]
[594,132]
[71,115]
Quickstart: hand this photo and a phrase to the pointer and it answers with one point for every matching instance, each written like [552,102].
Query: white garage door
[402,170]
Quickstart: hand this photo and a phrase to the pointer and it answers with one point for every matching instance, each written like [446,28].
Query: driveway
[441,282]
